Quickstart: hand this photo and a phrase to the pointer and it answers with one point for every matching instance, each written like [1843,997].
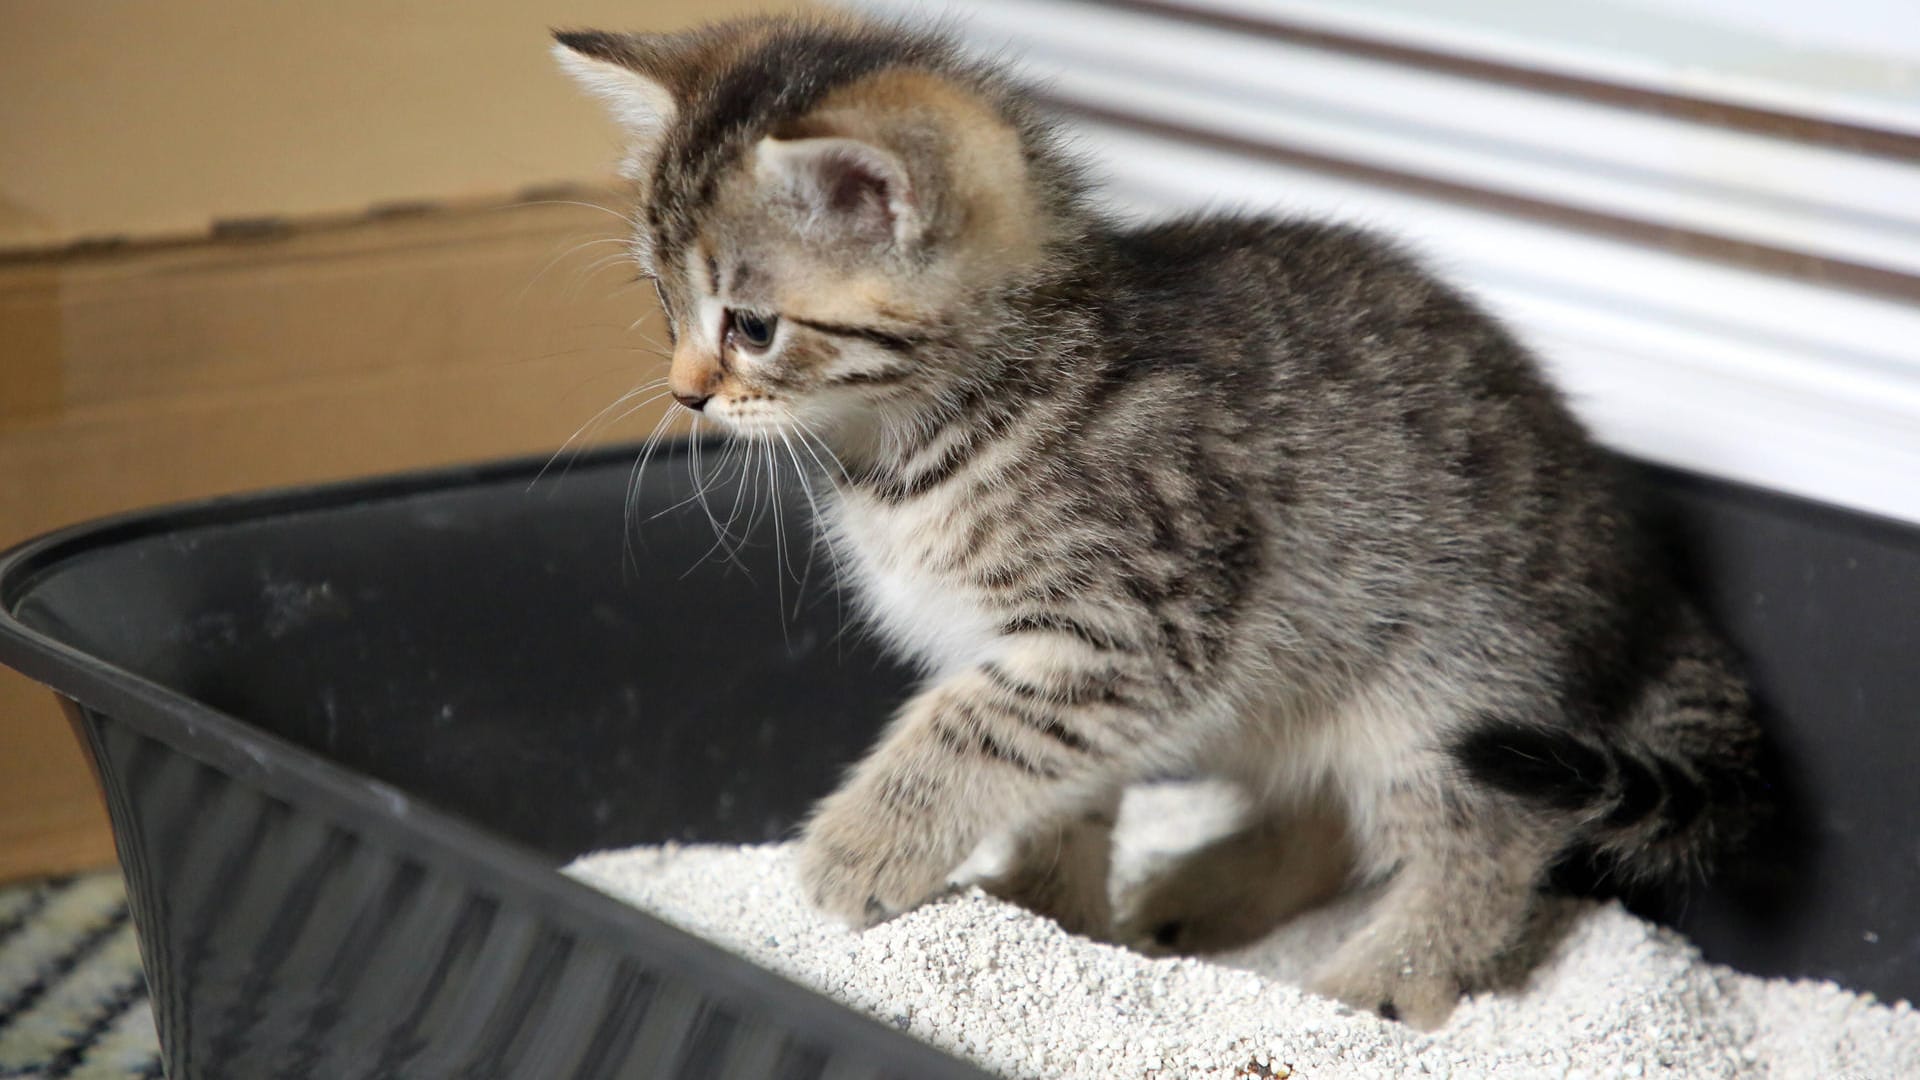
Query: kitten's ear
[613,68]
[845,185]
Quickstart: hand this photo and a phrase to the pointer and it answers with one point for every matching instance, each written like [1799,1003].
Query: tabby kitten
[1251,498]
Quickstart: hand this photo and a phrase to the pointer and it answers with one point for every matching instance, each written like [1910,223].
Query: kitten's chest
[899,563]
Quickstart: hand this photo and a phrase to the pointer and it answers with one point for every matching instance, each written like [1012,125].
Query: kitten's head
[827,209]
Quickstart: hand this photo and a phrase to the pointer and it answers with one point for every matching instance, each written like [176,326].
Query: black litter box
[347,734]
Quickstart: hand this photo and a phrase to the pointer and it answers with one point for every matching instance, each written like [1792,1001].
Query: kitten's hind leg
[1464,884]
[1061,871]
[1235,889]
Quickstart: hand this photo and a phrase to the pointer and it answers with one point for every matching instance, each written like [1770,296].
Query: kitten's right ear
[614,68]
[844,185]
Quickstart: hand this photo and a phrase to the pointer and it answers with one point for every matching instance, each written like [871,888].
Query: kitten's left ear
[610,67]
[846,185]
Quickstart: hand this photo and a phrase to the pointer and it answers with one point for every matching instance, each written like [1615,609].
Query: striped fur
[1256,498]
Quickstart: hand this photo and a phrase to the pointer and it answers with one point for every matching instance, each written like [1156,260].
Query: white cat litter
[1613,996]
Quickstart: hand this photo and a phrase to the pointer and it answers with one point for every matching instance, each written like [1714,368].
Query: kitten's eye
[751,330]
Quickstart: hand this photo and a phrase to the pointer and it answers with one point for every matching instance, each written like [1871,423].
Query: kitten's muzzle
[695,374]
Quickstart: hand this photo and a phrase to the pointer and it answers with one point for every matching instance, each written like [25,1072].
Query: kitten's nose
[696,402]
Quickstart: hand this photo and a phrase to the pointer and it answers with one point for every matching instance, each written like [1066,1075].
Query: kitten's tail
[1662,791]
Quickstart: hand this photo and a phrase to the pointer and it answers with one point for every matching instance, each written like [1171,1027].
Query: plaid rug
[73,1002]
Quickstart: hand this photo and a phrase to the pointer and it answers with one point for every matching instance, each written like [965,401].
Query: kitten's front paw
[860,866]
[1396,990]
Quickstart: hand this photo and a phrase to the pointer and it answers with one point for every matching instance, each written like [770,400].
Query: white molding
[1805,72]
[1624,163]
[1779,381]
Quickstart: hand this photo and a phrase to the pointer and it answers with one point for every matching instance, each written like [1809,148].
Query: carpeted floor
[73,1002]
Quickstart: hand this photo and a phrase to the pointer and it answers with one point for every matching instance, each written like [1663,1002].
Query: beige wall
[126,117]
[343,344]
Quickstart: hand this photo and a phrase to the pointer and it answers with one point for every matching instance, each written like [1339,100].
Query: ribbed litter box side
[281,941]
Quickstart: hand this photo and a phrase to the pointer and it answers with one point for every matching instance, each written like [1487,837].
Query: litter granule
[1610,994]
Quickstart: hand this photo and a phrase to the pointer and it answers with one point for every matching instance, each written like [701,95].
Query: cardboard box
[245,245]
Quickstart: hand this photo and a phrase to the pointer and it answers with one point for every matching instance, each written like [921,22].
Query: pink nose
[696,402]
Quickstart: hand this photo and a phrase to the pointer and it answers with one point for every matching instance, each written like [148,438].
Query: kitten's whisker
[780,561]
[734,449]
[779,516]
[647,449]
[557,260]
[579,432]
[555,354]
[654,438]
[695,475]
[664,349]
[818,536]
[751,464]
[759,507]
[722,534]
[583,245]
[807,429]
[809,440]
[800,477]
[786,527]
[607,210]
[630,527]
[749,482]
[603,261]
[577,284]
[622,415]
